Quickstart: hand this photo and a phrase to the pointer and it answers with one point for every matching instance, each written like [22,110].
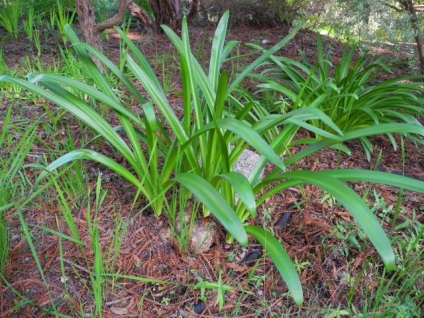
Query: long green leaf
[377,177]
[262,58]
[124,79]
[158,97]
[86,89]
[243,188]
[216,58]
[355,205]
[79,109]
[214,201]
[89,66]
[202,80]
[249,135]
[139,57]
[281,260]
[358,133]
[86,154]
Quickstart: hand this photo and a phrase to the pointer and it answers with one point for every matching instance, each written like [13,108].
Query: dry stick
[69,262]
[116,301]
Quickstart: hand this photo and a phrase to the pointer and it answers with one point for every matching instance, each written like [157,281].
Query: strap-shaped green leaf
[249,135]
[377,177]
[86,154]
[217,50]
[355,205]
[243,188]
[214,201]
[281,260]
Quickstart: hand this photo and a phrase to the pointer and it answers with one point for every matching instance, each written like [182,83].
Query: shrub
[349,92]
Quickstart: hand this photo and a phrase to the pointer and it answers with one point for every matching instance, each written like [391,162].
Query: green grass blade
[66,210]
[214,201]
[59,234]
[30,242]
[281,260]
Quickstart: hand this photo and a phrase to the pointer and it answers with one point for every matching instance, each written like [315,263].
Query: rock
[246,162]
[199,307]
[203,236]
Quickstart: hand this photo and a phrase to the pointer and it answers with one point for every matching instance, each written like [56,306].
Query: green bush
[349,92]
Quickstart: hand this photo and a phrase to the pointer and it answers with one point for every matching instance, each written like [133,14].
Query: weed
[10,13]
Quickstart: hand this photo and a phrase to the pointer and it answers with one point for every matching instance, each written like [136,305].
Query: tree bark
[167,12]
[116,19]
[139,14]
[194,8]
[91,30]
[87,22]
[408,6]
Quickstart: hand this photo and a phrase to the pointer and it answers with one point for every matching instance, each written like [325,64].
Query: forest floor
[338,266]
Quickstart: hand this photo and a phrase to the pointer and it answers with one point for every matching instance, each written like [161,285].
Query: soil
[305,222]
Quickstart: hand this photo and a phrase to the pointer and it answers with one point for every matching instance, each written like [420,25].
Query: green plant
[10,12]
[11,181]
[61,16]
[29,24]
[218,286]
[37,41]
[399,293]
[348,92]
[96,276]
[196,152]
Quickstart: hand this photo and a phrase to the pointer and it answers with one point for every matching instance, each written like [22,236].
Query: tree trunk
[91,30]
[167,12]
[408,5]
[116,19]
[194,8]
[87,22]
[139,14]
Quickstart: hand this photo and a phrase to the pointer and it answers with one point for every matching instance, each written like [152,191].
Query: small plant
[399,293]
[218,286]
[195,153]
[11,182]
[348,92]
[10,13]
[37,41]
[60,16]
[29,24]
